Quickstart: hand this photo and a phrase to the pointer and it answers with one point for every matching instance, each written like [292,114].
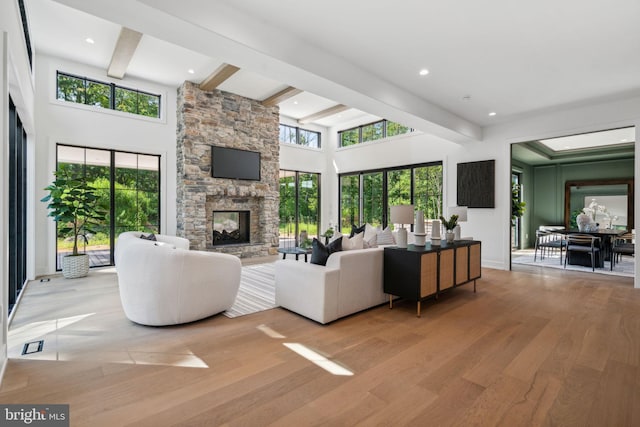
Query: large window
[299,207]
[86,91]
[128,185]
[366,197]
[17,205]
[371,132]
[298,136]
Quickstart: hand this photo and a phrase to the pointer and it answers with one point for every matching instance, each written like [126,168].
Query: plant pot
[450,236]
[74,266]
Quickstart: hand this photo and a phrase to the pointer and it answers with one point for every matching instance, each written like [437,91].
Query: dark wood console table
[420,272]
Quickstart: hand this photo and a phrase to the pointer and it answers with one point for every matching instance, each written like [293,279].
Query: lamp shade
[402,214]
[461,211]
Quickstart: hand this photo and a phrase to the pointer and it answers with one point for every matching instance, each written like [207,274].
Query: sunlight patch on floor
[318,359]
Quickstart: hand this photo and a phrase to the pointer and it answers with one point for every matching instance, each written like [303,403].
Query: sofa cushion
[355,242]
[320,253]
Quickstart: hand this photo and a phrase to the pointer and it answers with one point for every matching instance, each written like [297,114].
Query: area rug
[257,290]
[626,267]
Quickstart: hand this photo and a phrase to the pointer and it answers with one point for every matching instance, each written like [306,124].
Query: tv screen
[232,163]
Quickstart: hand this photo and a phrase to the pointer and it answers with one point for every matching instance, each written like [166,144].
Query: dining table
[606,235]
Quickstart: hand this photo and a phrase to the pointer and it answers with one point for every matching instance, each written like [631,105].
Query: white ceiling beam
[126,46]
[281,96]
[215,79]
[336,109]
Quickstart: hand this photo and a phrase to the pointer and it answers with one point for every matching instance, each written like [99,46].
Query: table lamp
[461,211]
[402,214]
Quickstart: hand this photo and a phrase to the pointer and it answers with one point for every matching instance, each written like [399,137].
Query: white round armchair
[162,282]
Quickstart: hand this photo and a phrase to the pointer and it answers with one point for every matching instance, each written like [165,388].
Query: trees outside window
[128,186]
[86,91]
[299,207]
[366,197]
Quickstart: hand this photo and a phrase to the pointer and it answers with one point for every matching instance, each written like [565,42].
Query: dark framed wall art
[476,184]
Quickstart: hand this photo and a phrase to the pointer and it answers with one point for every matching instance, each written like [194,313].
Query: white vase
[583,222]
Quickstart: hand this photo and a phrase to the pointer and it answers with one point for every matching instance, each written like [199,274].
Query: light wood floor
[532,347]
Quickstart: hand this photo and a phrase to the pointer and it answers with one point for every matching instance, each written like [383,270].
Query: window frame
[297,136]
[112,94]
[385,196]
[385,124]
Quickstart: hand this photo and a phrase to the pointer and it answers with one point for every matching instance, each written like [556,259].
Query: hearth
[231,227]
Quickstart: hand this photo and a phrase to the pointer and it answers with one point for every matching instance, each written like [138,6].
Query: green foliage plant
[73,204]
[517,207]
[451,223]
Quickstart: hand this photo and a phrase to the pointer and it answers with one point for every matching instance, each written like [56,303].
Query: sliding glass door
[128,185]
[299,207]
[17,205]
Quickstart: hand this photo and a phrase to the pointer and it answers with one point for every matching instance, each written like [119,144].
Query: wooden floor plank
[531,347]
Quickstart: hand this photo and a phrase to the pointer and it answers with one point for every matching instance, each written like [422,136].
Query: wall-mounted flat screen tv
[232,163]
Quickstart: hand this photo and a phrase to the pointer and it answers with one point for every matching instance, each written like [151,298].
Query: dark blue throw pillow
[149,237]
[320,253]
[356,230]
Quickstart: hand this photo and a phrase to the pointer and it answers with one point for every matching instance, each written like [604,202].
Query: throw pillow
[369,232]
[337,235]
[151,236]
[355,230]
[320,253]
[355,242]
[385,237]
[371,243]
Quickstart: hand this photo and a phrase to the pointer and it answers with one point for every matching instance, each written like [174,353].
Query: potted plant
[73,204]
[517,207]
[327,235]
[449,226]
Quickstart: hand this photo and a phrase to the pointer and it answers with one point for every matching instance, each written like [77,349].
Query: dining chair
[583,243]
[622,245]
[548,242]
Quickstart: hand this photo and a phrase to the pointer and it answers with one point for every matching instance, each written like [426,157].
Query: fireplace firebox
[230,227]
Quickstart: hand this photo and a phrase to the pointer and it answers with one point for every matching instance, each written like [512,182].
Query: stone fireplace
[223,119]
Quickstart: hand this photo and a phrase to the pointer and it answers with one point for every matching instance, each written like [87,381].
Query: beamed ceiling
[338,64]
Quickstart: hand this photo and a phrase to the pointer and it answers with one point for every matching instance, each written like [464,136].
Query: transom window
[371,132]
[86,91]
[298,136]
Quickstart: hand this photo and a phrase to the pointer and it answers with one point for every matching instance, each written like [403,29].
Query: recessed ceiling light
[424,72]
[89,40]
[295,102]
[493,113]
[466,98]
[190,71]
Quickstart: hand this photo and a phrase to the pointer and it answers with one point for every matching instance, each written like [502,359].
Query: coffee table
[297,251]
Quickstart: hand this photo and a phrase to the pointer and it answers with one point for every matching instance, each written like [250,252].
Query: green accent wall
[547,202]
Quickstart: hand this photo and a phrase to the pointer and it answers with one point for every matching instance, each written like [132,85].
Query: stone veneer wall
[224,119]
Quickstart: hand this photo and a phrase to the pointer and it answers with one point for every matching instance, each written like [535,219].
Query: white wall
[15,80]
[305,159]
[491,226]
[69,123]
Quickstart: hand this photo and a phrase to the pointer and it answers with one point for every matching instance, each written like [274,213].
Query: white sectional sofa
[351,281]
